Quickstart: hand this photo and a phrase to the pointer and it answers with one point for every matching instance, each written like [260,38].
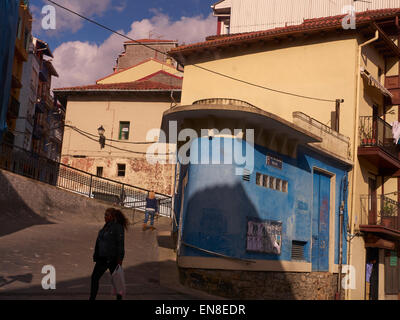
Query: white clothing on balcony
[396,131]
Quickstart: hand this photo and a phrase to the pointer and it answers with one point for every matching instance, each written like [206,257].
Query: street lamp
[102,139]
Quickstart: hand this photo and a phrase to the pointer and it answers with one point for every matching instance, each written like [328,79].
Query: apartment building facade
[339,90]
[8,22]
[22,42]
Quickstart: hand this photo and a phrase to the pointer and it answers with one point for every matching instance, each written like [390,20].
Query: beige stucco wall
[90,113]
[138,72]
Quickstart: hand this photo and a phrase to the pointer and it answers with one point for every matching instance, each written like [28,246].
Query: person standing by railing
[150,211]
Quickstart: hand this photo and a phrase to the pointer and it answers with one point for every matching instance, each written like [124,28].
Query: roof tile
[127,86]
[307,25]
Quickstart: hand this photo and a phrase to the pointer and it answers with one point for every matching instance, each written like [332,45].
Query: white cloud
[82,63]
[66,21]
[186,30]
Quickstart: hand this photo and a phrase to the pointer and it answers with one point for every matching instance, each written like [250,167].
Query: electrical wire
[194,65]
[111,140]
[96,136]
[117,148]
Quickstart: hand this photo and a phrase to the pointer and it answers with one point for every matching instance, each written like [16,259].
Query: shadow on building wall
[216,219]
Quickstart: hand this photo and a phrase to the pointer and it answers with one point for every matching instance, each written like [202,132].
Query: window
[121,170]
[265,181]
[259,179]
[271,182]
[284,186]
[27,39]
[278,184]
[298,250]
[124,130]
[19,30]
[99,171]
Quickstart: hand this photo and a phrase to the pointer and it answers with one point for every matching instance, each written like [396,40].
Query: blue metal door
[320,222]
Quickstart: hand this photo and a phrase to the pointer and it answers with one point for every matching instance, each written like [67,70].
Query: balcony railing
[380,211]
[375,132]
[13,109]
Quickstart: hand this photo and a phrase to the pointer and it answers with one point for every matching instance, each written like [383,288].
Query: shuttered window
[391,273]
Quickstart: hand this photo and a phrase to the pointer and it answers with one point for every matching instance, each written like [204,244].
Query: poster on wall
[264,236]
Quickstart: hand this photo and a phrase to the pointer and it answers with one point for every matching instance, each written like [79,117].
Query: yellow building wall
[327,70]
[138,72]
[320,70]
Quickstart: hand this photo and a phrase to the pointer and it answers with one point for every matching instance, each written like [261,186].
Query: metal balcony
[380,215]
[377,145]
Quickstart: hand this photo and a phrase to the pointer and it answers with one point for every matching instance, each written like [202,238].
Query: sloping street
[149,265]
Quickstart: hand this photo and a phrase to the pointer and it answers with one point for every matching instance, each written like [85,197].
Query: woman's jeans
[147,214]
[101,266]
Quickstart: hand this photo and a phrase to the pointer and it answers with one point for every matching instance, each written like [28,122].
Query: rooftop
[332,23]
[143,85]
[151,41]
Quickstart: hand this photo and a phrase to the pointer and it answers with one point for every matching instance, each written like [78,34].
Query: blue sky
[83,52]
[119,15]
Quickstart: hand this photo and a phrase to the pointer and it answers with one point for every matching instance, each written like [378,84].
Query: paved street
[149,264]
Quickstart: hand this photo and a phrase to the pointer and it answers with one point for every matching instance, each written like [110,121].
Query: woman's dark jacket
[152,203]
[110,243]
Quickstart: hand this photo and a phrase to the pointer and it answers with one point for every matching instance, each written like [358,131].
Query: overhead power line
[194,65]
[96,136]
[120,149]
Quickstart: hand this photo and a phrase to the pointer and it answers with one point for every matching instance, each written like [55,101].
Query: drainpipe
[356,121]
[339,286]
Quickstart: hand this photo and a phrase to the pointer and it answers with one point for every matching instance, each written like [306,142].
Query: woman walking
[109,251]
[150,211]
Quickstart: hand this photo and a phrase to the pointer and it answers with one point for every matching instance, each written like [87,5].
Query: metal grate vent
[298,250]
[246,175]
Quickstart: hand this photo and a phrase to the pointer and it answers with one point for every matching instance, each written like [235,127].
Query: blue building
[274,217]
[8,31]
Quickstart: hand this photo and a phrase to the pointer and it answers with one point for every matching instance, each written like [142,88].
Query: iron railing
[380,210]
[375,132]
[63,176]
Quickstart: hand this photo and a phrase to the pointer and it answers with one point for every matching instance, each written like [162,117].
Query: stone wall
[25,202]
[136,54]
[262,285]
